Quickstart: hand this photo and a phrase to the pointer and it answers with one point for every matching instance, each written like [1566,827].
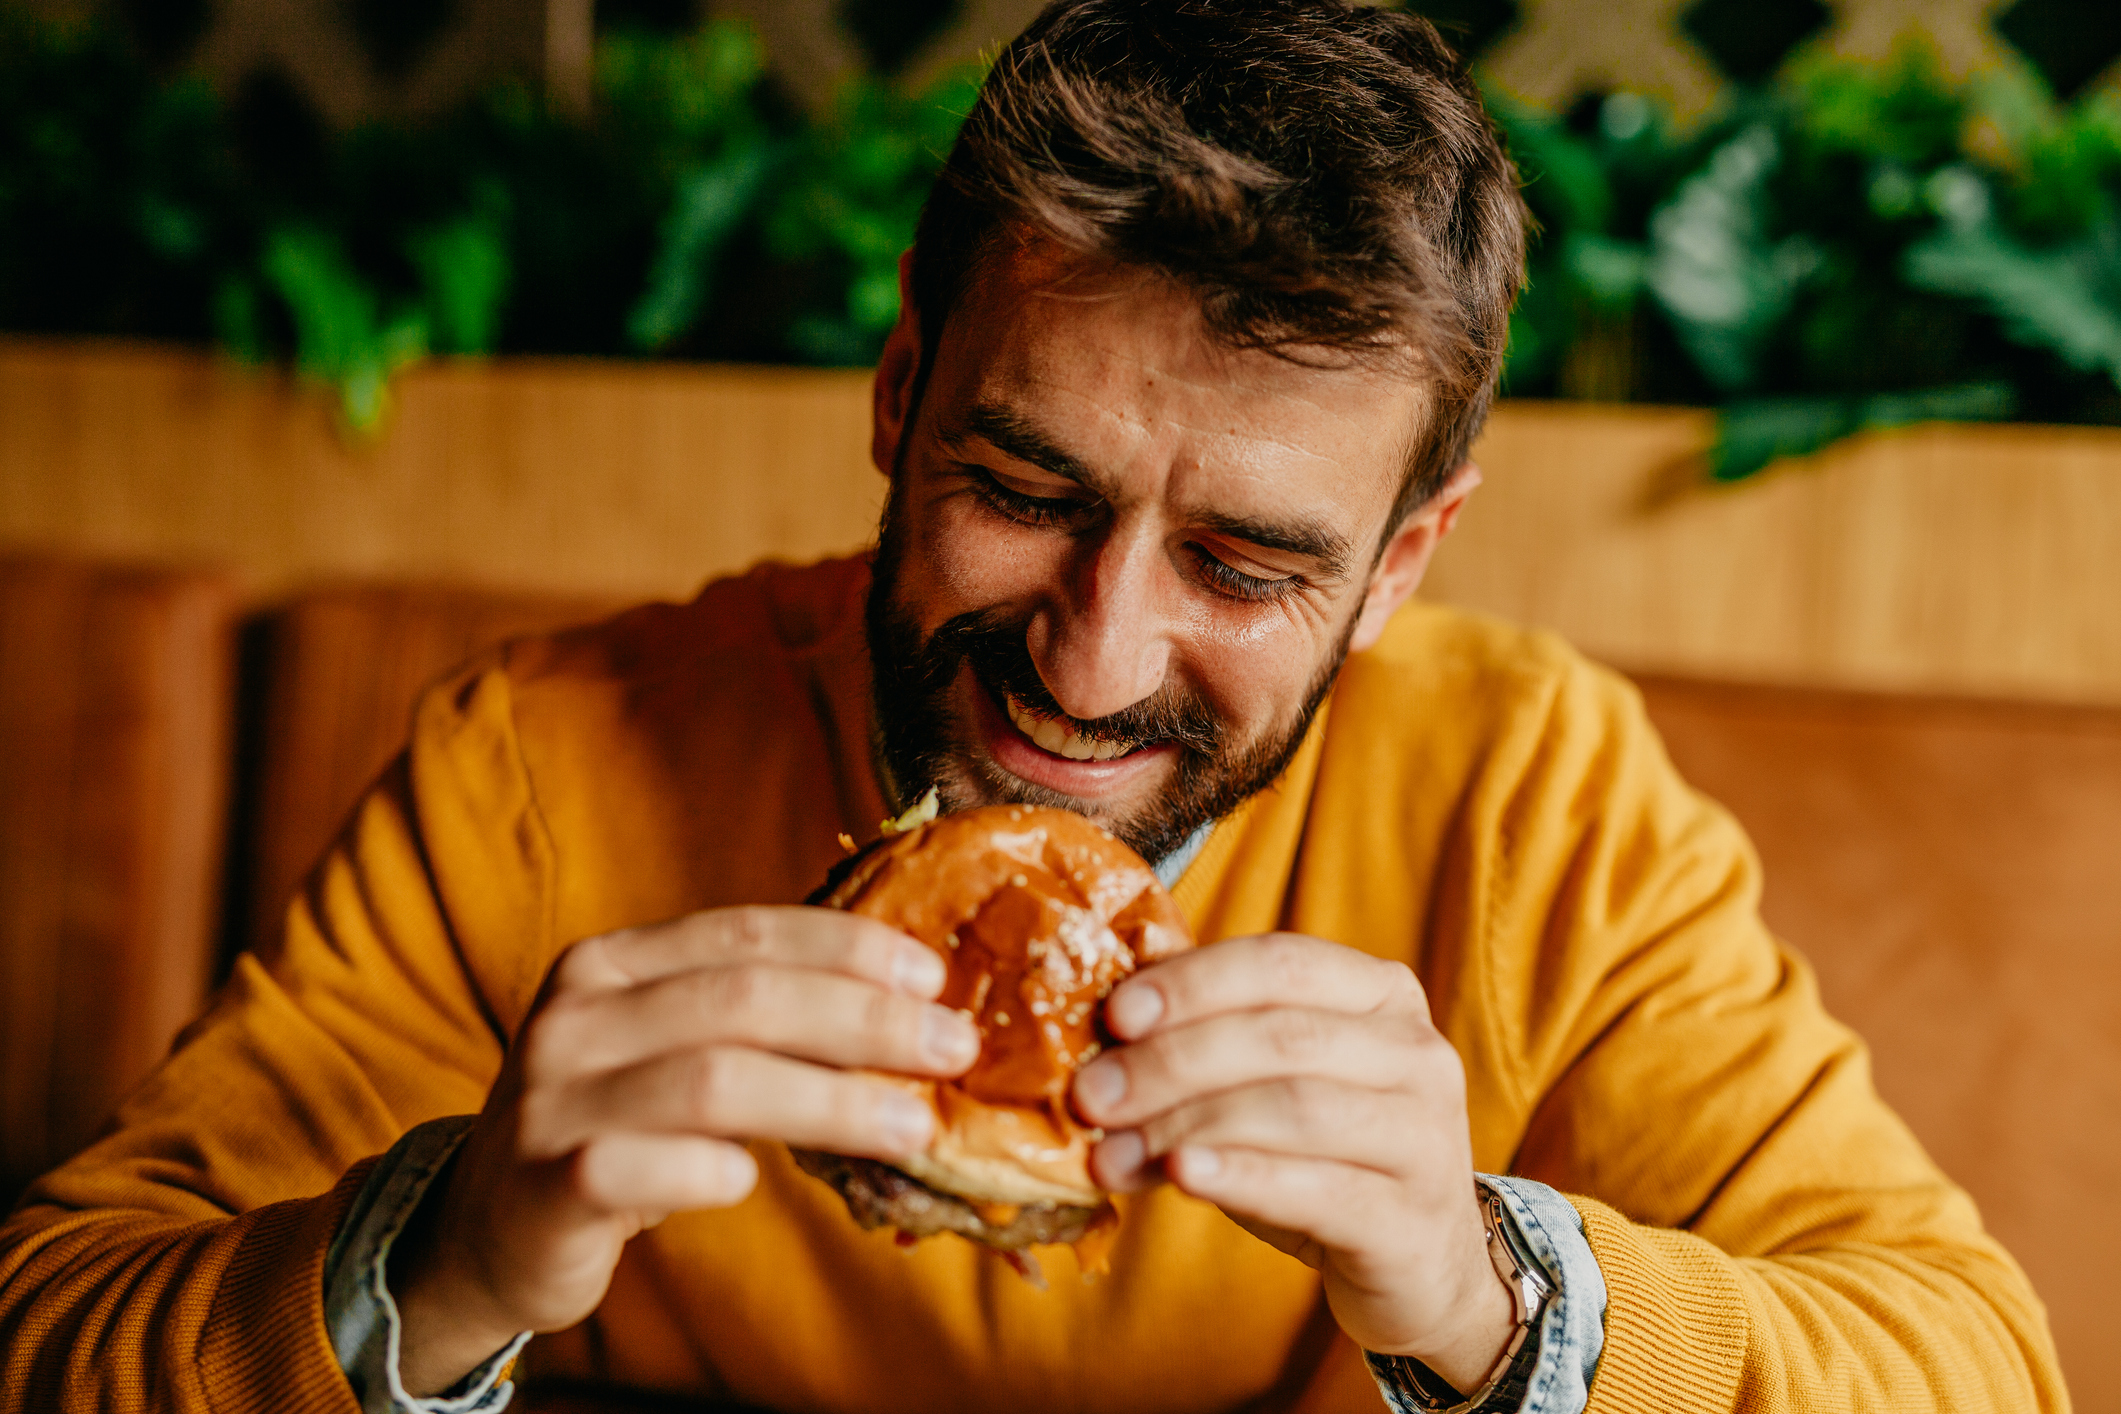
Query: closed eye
[1226,579]
[1044,512]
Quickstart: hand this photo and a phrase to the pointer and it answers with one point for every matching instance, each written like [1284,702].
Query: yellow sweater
[1476,801]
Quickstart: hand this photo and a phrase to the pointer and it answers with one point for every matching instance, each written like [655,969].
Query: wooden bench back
[1952,870]
[114,724]
[344,667]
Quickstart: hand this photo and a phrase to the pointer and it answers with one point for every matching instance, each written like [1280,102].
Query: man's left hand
[1301,1087]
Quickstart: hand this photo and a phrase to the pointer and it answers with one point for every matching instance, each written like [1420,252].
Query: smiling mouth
[1057,737]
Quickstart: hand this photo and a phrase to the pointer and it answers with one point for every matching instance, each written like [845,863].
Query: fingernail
[948,1038]
[738,1171]
[1122,1154]
[918,971]
[1133,1010]
[908,1123]
[1101,1084]
[1196,1164]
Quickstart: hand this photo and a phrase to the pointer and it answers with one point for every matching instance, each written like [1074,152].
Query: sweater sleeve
[1772,1237]
[178,1262]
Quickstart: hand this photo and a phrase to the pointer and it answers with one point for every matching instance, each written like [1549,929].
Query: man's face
[1121,563]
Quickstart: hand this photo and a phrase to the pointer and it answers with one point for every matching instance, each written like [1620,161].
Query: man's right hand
[649,1057]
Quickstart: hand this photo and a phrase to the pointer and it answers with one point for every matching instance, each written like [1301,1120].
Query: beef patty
[881,1196]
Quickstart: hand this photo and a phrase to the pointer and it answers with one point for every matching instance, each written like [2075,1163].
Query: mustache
[997,651]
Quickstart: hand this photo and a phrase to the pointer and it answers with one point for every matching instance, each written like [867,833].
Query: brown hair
[1321,173]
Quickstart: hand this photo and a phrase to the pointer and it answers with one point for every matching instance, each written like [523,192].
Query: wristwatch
[1530,1291]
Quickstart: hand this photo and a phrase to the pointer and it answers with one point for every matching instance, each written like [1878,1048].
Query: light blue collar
[1173,865]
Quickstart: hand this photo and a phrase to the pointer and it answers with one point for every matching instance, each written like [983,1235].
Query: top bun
[1039,914]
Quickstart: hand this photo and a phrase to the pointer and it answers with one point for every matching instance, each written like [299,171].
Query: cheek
[970,559]
[1255,669]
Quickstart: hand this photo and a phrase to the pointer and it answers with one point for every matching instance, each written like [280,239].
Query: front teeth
[1054,736]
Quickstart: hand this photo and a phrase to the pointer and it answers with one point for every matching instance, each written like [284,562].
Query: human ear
[896,370]
[1406,556]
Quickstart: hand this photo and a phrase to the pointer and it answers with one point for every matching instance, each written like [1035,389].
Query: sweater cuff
[359,1310]
[1677,1324]
[263,1346]
[1571,1334]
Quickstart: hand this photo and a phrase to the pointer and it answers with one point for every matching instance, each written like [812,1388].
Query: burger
[1038,914]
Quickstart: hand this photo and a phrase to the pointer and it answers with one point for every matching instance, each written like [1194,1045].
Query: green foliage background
[1854,246]
[1849,246]
[691,216]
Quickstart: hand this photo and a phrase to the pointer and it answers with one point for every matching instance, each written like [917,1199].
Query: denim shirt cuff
[1571,1332]
[360,1315]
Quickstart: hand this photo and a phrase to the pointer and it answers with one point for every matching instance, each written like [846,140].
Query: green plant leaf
[2066,298]
[464,271]
[712,199]
[339,337]
[1564,178]
[1721,281]
[1903,111]
[1611,273]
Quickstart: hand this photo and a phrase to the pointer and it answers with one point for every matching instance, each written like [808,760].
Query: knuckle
[1438,1058]
[1401,987]
[737,993]
[711,1084]
[570,971]
[1314,1102]
[1282,959]
[588,1177]
[548,1044]
[1296,1038]
[747,931]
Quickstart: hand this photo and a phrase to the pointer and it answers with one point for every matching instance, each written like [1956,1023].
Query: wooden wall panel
[589,477]
[1973,560]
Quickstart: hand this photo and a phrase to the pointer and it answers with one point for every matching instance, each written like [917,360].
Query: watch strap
[1413,1388]
[1421,1389]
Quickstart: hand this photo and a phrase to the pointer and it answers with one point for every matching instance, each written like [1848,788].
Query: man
[1198,331]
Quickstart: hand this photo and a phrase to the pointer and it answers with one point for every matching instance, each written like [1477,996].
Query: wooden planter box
[1977,560]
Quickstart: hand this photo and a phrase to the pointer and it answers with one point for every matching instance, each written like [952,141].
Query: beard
[924,743]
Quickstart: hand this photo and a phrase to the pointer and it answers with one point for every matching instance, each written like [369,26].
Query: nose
[1102,642]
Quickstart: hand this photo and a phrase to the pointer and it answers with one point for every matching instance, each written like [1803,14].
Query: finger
[1320,1119]
[1269,969]
[1127,1084]
[820,1016]
[732,1092]
[1335,1205]
[821,938]
[661,1173]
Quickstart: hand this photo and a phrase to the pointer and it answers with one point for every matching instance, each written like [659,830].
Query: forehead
[1116,364]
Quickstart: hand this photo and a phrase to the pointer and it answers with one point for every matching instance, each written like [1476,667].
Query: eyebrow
[1012,433]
